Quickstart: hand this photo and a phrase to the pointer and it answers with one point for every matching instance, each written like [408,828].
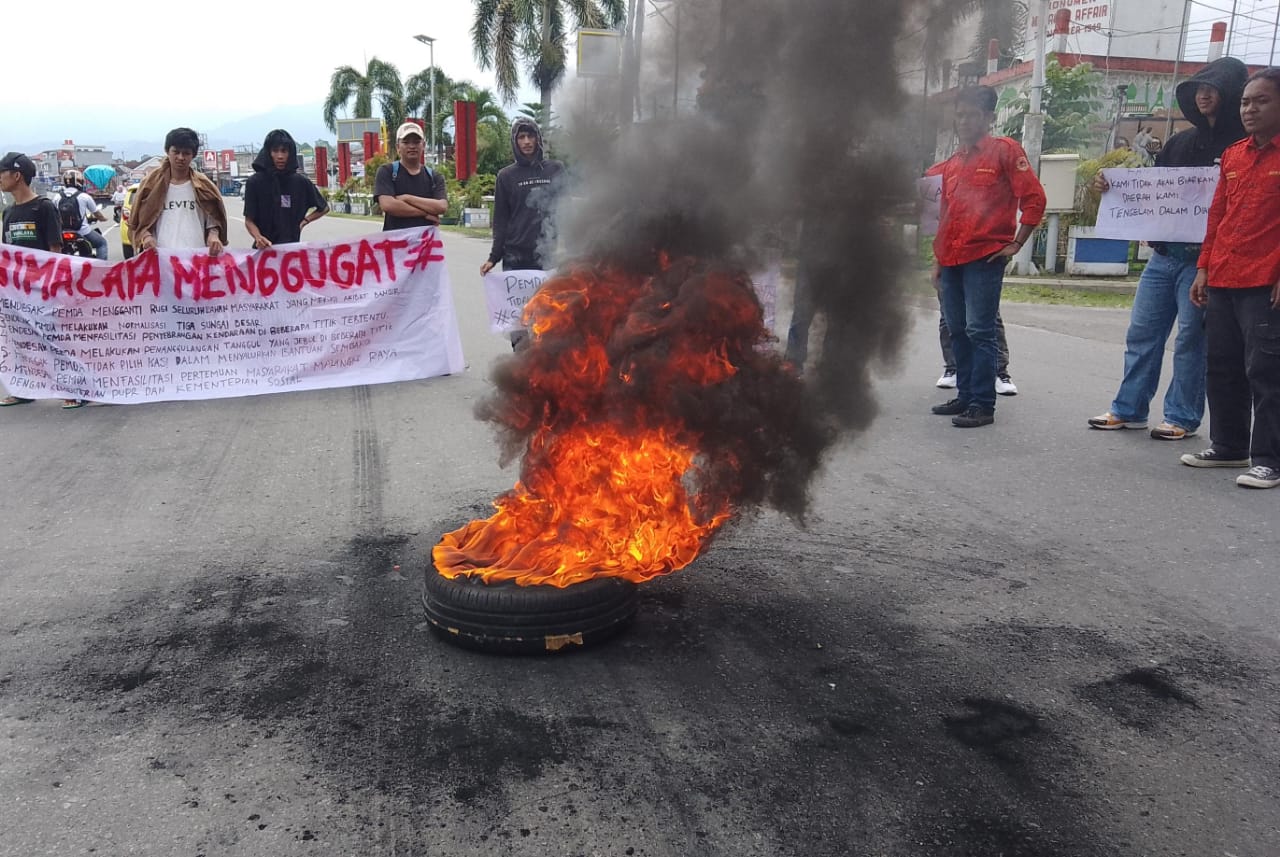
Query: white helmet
[72,178]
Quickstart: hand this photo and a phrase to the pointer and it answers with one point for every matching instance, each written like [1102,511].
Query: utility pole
[1033,122]
[1274,31]
[1231,33]
[1177,63]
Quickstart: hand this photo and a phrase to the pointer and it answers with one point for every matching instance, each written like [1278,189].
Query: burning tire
[508,618]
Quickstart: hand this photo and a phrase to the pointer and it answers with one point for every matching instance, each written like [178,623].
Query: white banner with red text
[179,324]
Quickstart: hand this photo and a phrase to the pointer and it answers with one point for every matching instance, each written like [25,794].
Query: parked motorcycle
[75,244]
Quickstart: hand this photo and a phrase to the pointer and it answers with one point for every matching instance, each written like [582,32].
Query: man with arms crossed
[409,192]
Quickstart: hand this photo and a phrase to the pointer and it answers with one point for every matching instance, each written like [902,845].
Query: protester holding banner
[1239,282]
[522,203]
[176,206]
[1211,101]
[409,192]
[984,185]
[278,199]
[32,221]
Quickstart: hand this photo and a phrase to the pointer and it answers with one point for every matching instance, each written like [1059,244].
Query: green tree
[488,109]
[1005,22]
[493,148]
[1070,102]
[418,97]
[506,31]
[380,80]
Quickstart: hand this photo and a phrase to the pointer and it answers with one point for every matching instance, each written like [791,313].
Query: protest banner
[506,293]
[929,194]
[179,324]
[1157,204]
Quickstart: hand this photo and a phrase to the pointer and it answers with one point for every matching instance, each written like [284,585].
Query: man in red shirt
[1238,280]
[984,184]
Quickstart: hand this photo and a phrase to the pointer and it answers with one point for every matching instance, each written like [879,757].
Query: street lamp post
[431,43]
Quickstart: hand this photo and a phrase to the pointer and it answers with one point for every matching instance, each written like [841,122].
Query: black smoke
[791,140]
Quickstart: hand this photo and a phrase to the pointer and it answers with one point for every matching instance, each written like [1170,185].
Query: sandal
[68,404]
[14,400]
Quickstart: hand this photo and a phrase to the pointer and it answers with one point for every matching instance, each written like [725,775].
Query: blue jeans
[99,242]
[802,313]
[1163,296]
[970,301]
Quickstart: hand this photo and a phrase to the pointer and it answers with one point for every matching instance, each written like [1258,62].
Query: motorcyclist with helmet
[90,211]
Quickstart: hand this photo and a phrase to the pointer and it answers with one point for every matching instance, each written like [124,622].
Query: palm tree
[417,96]
[381,80]
[488,110]
[534,29]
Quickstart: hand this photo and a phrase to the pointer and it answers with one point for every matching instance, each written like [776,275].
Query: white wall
[1119,28]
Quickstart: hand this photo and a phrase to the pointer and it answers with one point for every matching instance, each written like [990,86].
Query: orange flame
[611,474]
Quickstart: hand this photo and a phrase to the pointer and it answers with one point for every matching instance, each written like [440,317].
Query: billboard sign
[1142,29]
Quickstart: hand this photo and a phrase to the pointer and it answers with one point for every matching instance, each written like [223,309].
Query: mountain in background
[301,120]
[145,134]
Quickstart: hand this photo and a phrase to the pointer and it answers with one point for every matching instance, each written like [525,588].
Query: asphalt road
[1028,640]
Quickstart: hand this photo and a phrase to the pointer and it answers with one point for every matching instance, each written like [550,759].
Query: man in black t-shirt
[32,221]
[408,191]
[278,199]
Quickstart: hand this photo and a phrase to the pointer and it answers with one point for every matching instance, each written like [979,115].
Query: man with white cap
[409,192]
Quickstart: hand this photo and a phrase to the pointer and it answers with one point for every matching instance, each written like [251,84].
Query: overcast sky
[152,65]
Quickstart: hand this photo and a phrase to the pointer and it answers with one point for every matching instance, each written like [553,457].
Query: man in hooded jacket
[278,199]
[1210,100]
[522,202]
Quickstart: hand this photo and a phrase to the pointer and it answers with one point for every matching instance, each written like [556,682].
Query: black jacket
[1202,146]
[522,203]
[277,200]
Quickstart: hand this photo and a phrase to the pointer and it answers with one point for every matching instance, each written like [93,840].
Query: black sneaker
[973,417]
[951,408]
[1213,458]
[1259,476]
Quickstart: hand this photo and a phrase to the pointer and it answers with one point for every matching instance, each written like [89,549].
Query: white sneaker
[1005,386]
[947,381]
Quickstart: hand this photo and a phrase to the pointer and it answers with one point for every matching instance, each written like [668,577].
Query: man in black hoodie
[278,199]
[522,202]
[1210,100]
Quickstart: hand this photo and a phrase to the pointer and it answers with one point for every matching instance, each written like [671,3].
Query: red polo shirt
[983,186]
[1242,246]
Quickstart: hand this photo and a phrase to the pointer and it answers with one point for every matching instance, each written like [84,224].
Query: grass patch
[374,217]
[1024,294]
[484,234]
[470,232]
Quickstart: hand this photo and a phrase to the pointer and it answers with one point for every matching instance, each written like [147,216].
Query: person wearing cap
[32,221]
[409,192]
[522,201]
[176,206]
